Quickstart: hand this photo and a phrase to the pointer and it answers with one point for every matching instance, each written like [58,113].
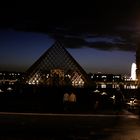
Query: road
[124,125]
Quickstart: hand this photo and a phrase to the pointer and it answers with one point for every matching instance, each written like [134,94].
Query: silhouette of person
[72,101]
[66,101]
[119,99]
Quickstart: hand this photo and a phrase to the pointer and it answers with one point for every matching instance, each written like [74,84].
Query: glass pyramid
[56,67]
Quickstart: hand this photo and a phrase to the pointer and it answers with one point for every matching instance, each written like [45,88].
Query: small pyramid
[57,67]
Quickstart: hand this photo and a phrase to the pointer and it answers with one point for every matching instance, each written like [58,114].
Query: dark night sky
[101,37]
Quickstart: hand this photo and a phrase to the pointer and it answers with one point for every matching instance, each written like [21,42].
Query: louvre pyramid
[56,66]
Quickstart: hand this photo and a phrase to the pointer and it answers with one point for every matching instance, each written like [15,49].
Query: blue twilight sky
[19,50]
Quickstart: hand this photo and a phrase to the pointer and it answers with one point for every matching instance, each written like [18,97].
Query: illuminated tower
[133,71]
[138,64]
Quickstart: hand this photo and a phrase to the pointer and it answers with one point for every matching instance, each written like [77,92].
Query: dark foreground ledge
[58,126]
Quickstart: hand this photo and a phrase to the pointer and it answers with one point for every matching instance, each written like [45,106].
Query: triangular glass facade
[56,67]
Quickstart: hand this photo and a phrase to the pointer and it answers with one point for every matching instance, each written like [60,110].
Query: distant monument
[56,67]
[138,65]
[133,71]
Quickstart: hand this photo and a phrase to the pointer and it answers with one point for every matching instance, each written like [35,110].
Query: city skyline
[19,50]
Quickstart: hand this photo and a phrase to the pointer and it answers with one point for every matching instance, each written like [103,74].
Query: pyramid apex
[59,42]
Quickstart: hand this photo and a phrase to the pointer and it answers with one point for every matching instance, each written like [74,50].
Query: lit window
[103,86]
[1,90]
[116,76]
[9,89]
[103,76]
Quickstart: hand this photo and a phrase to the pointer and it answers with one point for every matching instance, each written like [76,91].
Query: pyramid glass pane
[56,67]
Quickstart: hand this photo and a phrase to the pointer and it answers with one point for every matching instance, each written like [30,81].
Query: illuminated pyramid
[56,67]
